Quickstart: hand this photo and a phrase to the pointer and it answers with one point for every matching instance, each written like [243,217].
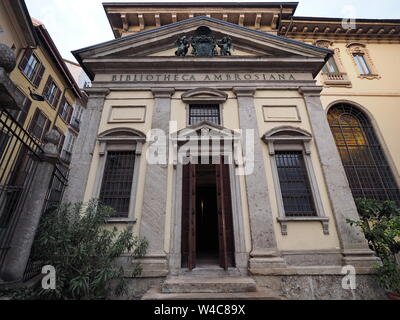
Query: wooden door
[189,217]
[225,222]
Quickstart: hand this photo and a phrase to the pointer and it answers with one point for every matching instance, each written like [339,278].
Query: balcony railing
[336,78]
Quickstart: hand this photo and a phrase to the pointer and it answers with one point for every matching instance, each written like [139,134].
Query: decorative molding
[282,118]
[311,91]
[285,221]
[95,92]
[162,92]
[245,91]
[204,95]
[360,48]
[120,139]
[334,79]
[130,119]
[289,138]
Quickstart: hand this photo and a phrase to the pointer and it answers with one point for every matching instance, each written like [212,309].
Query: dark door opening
[207,225]
[206,216]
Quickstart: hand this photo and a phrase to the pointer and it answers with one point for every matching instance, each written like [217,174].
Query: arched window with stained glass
[364,160]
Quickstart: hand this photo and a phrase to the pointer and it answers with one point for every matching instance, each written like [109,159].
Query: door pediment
[205,131]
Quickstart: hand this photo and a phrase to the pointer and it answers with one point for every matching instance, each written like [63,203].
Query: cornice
[328,28]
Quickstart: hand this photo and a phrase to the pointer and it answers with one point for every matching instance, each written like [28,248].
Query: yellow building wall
[379,98]
[10,32]
[23,83]
[124,98]
[301,235]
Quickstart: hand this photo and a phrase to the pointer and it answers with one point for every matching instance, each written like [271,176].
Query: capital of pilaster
[311,91]
[163,92]
[99,93]
[244,91]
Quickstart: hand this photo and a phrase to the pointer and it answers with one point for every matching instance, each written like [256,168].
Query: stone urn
[8,60]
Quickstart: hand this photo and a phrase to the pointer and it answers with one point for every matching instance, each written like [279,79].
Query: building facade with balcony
[235,137]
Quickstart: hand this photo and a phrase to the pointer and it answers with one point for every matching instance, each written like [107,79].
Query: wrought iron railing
[20,155]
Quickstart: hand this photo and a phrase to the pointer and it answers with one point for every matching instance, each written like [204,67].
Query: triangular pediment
[160,43]
[205,131]
[162,40]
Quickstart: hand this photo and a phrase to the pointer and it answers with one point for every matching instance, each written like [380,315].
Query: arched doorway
[364,160]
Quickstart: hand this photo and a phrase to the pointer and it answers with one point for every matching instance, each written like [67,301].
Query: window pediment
[205,95]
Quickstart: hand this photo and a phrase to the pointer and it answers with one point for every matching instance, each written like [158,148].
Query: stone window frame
[297,140]
[205,96]
[332,79]
[111,141]
[361,48]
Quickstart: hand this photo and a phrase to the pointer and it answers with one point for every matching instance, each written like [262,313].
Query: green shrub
[83,250]
[380,222]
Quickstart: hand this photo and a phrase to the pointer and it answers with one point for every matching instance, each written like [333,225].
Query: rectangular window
[295,185]
[52,93]
[39,126]
[204,112]
[69,146]
[331,66]
[32,68]
[361,64]
[117,181]
[66,111]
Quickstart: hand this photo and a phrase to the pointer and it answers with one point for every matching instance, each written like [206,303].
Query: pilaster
[84,146]
[264,253]
[152,223]
[355,248]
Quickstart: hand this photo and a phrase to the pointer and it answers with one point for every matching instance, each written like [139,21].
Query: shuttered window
[117,181]
[66,111]
[295,185]
[32,67]
[204,112]
[52,93]
[40,125]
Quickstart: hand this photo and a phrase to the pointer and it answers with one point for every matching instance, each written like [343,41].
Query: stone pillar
[264,253]
[25,231]
[355,248]
[84,146]
[152,223]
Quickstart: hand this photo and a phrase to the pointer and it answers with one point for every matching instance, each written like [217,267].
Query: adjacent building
[38,94]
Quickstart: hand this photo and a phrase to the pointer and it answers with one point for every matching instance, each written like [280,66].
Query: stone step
[155,294]
[191,284]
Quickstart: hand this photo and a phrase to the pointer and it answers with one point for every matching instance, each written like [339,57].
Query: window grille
[295,185]
[204,112]
[364,161]
[117,181]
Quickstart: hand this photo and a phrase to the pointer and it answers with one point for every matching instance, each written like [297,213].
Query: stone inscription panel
[205,77]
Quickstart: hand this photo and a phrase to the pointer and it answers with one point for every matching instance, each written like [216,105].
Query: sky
[75,24]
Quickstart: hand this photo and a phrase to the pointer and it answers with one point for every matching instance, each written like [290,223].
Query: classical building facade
[214,132]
